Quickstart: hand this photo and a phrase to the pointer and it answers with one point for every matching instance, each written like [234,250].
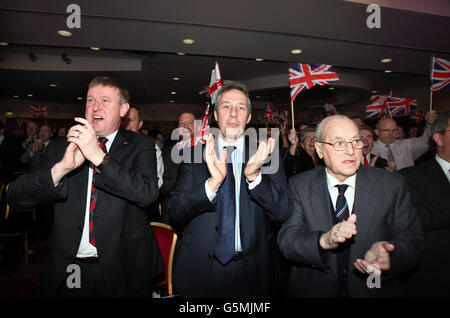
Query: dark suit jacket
[128,252]
[190,205]
[384,213]
[430,193]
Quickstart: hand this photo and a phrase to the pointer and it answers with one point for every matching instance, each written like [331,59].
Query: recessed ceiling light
[9,114]
[3,43]
[171,101]
[80,98]
[93,48]
[388,71]
[188,41]
[374,92]
[258,96]
[52,85]
[173,93]
[64,33]
[181,53]
[296,51]
[259,60]
[386,60]
[331,88]
[15,96]
[30,95]
[176,78]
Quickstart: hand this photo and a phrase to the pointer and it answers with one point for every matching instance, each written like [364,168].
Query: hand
[431,116]
[391,166]
[374,159]
[85,137]
[339,233]
[37,145]
[283,128]
[254,164]
[72,159]
[377,257]
[217,168]
[293,138]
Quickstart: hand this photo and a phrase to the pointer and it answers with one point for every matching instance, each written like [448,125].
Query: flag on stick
[39,111]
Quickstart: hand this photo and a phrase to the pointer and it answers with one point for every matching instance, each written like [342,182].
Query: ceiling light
[93,48]
[173,93]
[64,33]
[80,98]
[52,85]
[3,43]
[259,60]
[181,53]
[188,41]
[171,101]
[15,96]
[66,58]
[30,95]
[258,96]
[330,88]
[388,71]
[31,56]
[176,78]
[386,60]
[296,51]
[374,92]
[9,114]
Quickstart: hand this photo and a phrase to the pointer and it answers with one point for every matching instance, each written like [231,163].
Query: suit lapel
[363,207]
[81,180]
[244,217]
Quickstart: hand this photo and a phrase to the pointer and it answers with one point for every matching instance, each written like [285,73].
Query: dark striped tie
[341,203]
[94,192]
[224,250]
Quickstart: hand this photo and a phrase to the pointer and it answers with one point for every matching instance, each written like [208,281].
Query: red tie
[94,192]
[366,163]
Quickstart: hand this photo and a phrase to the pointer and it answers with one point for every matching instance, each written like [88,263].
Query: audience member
[429,184]
[348,221]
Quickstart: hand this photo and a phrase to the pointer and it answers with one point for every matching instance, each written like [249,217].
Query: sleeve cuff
[254,183]
[211,195]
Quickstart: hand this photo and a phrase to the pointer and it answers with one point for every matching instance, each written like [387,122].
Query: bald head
[386,130]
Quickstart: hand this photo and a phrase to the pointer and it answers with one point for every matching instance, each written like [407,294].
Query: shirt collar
[332,181]
[110,139]
[445,165]
[239,144]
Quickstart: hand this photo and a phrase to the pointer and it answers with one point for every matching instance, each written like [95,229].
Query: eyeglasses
[341,145]
[309,139]
[389,130]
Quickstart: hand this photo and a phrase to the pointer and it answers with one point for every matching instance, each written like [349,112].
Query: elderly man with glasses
[401,151]
[353,229]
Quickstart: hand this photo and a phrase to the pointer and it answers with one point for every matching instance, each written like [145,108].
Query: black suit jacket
[430,193]
[189,204]
[384,213]
[128,252]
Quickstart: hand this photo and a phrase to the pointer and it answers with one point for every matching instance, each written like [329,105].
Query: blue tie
[225,242]
[341,203]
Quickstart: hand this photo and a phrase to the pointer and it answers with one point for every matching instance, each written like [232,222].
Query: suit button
[216,228]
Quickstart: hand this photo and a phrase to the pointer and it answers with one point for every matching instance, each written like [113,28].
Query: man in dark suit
[99,188]
[429,184]
[348,221]
[229,247]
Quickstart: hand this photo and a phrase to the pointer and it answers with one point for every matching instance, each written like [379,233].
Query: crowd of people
[346,202]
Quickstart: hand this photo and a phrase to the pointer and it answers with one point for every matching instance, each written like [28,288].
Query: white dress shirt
[445,165]
[405,151]
[86,249]
[349,193]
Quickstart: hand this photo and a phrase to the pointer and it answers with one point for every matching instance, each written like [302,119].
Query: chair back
[167,240]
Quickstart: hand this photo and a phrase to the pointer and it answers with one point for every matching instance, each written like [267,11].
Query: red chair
[167,240]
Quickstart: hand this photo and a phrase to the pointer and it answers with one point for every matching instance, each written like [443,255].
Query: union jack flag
[400,105]
[417,116]
[377,106]
[215,83]
[204,91]
[440,75]
[38,111]
[268,115]
[305,76]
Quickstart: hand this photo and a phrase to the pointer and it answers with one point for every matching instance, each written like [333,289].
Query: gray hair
[440,125]
[323,123]
[303,132]
[228,86]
